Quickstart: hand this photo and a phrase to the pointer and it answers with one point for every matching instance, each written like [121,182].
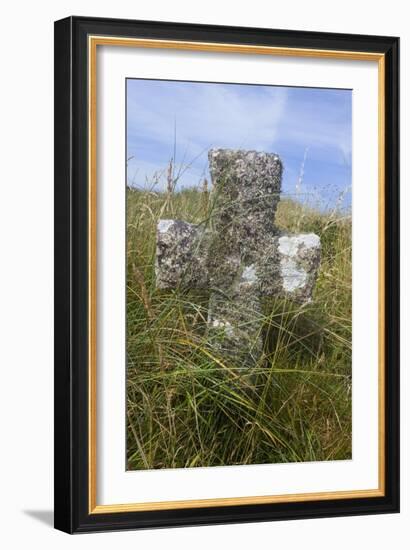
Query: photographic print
[226,274]
[239,274]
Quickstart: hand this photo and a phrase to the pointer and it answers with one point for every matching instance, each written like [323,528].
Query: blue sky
[310,129]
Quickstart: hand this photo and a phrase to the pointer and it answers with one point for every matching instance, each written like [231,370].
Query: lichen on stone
[240,256]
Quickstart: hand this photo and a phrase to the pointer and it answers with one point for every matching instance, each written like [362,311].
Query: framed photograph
[226,274]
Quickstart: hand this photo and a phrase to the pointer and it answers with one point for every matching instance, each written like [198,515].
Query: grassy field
[186,406]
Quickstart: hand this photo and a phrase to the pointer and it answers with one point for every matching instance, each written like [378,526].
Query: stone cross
[238,253]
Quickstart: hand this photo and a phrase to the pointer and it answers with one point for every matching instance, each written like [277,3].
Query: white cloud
[206,116]
[275,119]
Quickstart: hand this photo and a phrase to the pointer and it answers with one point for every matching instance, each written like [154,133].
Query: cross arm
[180,260]
[289,266]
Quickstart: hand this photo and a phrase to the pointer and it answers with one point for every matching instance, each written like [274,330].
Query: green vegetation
[188,407]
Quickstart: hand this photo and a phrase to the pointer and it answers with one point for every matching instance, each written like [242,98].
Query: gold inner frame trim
[93,42]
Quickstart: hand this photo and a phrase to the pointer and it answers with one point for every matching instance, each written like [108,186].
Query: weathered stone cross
[238,253]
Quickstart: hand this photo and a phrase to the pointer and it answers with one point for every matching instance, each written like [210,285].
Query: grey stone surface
[238,254]
[179,262]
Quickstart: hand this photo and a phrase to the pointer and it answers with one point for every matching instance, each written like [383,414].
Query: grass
[188,407]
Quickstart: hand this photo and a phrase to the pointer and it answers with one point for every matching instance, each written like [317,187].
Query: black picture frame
[72,513]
